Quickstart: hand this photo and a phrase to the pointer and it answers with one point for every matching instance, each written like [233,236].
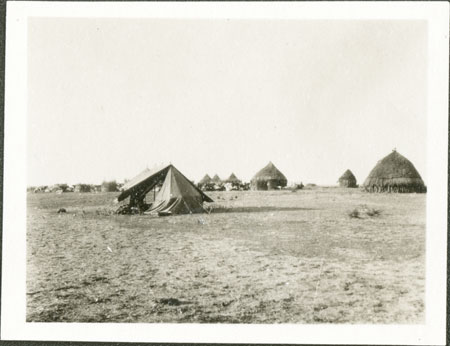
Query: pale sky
[110,97]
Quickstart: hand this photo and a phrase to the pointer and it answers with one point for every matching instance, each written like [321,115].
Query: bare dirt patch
[259,257]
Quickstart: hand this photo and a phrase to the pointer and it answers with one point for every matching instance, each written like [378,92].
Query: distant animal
[62,210]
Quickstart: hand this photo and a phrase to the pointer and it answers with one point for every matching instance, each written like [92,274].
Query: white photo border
[13,308]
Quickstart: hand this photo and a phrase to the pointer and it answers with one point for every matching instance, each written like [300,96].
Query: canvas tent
[268,178]
[394,173]
[178,195]
[347,179]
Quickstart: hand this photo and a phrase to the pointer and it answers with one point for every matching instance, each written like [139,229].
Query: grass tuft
[354,214]
[373,212]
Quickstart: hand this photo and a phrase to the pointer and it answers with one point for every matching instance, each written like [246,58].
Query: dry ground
[261,257]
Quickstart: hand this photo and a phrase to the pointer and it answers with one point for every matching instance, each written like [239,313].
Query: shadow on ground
[219,210]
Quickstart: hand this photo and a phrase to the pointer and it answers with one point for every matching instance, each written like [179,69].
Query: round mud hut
[268,178]
[347,179]
[394,173]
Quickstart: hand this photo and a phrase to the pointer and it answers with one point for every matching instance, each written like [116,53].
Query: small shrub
[354,214]
[297,187]
[170,301]
[64,187]
[373,212]
[109,186]
[82,188]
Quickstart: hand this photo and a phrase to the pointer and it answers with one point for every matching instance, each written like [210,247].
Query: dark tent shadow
[221,210]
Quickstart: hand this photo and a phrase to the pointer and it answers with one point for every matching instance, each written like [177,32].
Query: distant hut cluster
[210,184]
[233,183]
[173,193]
[268,178]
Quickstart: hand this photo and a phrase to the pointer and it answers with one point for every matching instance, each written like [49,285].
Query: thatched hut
[394,173]
[268,178]
[233,179]
[216,180]
[347,179]
[205,180]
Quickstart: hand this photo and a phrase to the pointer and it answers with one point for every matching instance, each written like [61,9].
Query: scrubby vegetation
[354,214]
[110,186]
[373,212]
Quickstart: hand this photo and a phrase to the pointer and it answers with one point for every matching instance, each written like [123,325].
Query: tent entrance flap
[176,206]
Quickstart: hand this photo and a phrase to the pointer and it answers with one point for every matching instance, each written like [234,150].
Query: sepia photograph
[229,170]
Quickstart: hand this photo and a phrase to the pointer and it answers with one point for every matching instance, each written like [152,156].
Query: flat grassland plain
[259,257]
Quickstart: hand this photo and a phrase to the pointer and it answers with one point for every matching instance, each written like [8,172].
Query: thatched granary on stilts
[347,179]
[394,173]
[268,178]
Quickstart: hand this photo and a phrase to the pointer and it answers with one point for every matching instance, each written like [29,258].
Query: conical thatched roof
[347,175]
[270,172]
[216,179]
[347,179]
[206,179]
[396,173]
[232,179]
